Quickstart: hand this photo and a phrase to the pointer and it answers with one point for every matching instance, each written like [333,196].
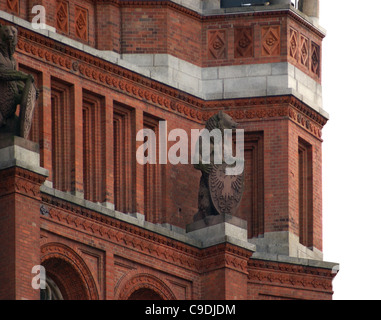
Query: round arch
[69,272]
[145,287]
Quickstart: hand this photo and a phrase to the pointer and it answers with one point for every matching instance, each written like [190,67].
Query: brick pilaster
[21,178]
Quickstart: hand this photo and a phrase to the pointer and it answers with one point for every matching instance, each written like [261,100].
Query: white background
[351,78]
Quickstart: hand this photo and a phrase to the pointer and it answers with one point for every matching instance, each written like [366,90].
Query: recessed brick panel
[270,36]
[217,44]
[243,42]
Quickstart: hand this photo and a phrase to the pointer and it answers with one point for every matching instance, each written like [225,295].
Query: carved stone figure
[218,193]
[16,88]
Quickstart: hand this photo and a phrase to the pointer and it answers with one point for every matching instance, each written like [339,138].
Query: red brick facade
[86,122]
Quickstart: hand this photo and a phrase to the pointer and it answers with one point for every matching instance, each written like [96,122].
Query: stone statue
[218,193]
[16,88]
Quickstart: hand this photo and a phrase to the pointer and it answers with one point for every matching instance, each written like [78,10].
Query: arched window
[51,292]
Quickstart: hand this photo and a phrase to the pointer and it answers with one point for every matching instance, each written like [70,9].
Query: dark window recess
[243,3]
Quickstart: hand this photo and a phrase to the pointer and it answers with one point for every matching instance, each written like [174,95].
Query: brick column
[108,27]
[110,271]
[21,177]
[224,272]
[224,261]
[77,100]
[46,125]
[109,152]
[139,168]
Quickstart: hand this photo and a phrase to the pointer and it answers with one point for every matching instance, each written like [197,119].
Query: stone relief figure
[218,193]
[16,88]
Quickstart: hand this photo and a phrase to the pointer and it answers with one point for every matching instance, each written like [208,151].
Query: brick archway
[145,287]
[69,272]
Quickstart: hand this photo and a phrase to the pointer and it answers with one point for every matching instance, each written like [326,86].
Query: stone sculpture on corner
[219,193]
[16,88]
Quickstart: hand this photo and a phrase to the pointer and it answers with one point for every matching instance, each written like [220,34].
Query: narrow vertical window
[124,148]
[93,148]
[62,147]
[305,193]
[154,186]
[251,208]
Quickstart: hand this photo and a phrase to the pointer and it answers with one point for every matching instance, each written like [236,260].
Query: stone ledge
[285,243]
[218,229]
[215,220]
[134,218]
[168,230]
[19,152]
[298,261]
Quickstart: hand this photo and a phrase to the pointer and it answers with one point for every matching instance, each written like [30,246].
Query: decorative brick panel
[14,6]
[270,40]
[81,23]
[62,16]
[217,44]
[315,58]
[243,42]
[293,51]
[304,51]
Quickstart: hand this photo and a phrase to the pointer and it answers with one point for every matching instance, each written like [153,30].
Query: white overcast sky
[351,149]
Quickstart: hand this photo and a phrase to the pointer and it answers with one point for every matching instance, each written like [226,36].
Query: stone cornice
[119,232]
[21,181]
[144,241]
[290,275]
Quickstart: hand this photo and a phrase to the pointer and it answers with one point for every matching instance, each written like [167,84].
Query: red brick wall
[295,133]
[206,41]
[20,232]
[144,31]
[114,257]
[118,260]
[282,281]
[279,151]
